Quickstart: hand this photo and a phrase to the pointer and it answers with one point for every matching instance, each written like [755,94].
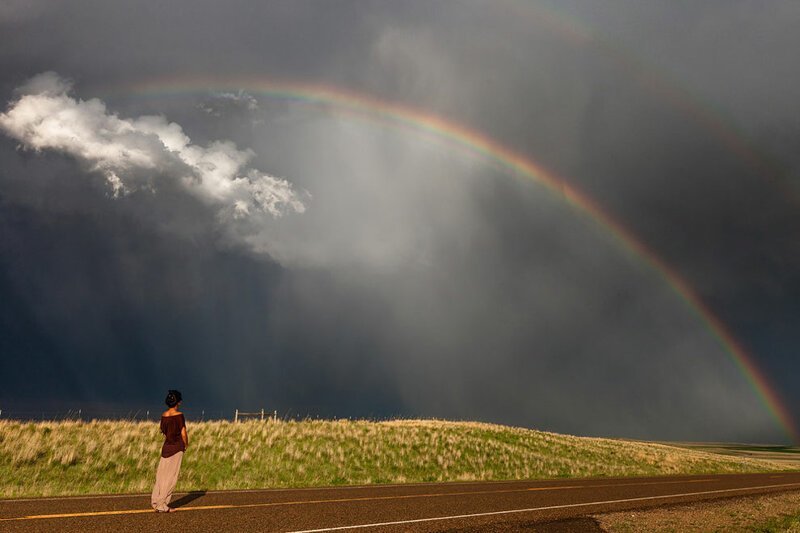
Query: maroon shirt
[171,427]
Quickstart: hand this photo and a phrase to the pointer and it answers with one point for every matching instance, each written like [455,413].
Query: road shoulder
[771,512]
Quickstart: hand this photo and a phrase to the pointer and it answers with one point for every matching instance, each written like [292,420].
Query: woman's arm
[185,437]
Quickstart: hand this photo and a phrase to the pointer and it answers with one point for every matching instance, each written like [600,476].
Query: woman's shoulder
[167,414]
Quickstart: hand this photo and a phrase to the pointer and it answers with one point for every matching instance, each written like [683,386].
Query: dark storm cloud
[417,282]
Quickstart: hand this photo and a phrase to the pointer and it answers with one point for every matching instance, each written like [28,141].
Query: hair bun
[173,398]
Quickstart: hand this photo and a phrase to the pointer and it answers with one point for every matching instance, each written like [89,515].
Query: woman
[173,426]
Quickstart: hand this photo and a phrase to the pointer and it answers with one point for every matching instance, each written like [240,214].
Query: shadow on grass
[192,496]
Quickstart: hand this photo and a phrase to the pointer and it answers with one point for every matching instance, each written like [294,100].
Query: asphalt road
[555,505]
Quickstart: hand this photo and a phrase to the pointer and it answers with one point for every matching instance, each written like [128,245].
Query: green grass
[781,524]
[59,458]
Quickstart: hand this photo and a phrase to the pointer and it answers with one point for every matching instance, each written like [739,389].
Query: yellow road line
[71,515]
[342,500]
[277,504]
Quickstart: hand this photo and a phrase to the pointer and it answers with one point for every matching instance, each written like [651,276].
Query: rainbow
[476,143]
[573,30]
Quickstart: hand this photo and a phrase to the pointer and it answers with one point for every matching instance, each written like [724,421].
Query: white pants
[166,478]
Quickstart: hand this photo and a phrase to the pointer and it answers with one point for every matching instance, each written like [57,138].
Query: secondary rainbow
[398,115]
[662,86]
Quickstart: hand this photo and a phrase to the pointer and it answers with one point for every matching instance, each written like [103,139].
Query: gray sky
[256,251]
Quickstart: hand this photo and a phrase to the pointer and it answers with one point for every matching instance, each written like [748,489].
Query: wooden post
[275,415]
[236,416]
[262,414]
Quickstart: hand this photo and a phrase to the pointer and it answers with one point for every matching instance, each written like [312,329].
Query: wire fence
[88,414]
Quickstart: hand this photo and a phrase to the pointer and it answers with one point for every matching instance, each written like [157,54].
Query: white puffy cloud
[239,98]
[136,152]
[219,104]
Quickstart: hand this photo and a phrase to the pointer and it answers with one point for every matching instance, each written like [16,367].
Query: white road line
[329,488]
[306,489]
[255,491]
[348,487]
[71,498]
[533,509]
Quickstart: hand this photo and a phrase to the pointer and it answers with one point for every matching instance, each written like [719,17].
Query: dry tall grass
[56,458]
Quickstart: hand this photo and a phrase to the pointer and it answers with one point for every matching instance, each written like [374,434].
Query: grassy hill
[59,458]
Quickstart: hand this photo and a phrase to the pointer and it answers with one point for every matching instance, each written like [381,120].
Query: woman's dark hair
[173,397]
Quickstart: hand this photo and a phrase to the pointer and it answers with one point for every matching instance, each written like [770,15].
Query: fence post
[262,414]
[236,416]
[275,415]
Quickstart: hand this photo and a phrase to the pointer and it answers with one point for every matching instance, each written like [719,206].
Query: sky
[166,221]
